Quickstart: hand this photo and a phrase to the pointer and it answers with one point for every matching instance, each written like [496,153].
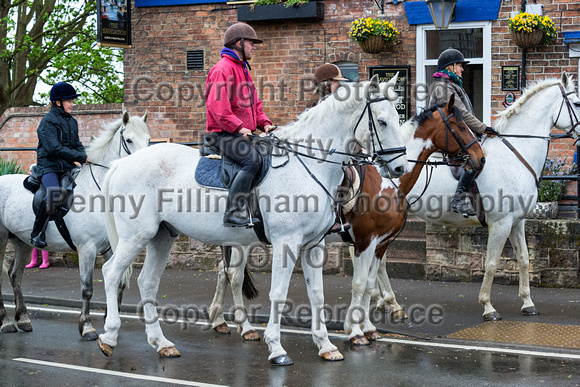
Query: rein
[122,145]
[571,113]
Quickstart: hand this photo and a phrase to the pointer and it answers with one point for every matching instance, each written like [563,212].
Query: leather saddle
[216,170]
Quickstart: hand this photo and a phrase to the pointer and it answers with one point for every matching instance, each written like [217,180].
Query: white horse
[508,188]
[377,215]
[85,221]
[161,174]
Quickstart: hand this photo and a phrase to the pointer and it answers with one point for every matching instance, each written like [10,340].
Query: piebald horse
[378,215]
[162,169]
[507,184]
[85,222]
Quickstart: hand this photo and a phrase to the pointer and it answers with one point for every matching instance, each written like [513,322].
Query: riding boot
[33,259]
[460,202]
[238,209]
[40,224]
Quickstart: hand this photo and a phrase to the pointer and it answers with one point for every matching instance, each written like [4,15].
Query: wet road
[53,354]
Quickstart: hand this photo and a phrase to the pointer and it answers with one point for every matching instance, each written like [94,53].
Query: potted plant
[551,191]
[273,10]
[373,35]
[528,30]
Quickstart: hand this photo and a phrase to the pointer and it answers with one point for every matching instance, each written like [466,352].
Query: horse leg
[498,234]
[236,275]
[312,262]
[21,255]
[281,272]
[158,250]
[386,299]
[6,324]
[86,267]
[112,271]
[354,316]
[216,309]
[370,331]
[518,240]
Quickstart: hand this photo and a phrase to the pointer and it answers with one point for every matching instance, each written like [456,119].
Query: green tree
[53,41]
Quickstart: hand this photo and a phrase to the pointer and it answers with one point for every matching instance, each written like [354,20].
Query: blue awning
[465,11]
[571,37]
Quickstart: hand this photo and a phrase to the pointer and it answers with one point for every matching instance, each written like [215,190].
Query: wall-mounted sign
[402,88]
[114,23]
[510,98]
[510,78]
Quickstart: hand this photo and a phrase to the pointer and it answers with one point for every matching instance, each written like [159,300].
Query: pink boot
[33,259]
[45,262]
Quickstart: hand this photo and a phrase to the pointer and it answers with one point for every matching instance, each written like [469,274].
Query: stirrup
[463,209]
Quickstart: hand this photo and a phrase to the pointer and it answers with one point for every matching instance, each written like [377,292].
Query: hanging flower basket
[527,39]
[373,44]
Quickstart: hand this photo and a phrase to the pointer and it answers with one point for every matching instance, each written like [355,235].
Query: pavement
[436,309]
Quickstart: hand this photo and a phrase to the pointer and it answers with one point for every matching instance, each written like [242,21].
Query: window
[349,70]
[474,41]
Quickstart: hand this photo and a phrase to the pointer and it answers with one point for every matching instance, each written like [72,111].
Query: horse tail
[110,219]
[248,288]
[126,279]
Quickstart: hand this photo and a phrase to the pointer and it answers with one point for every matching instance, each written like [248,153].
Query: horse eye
[129,141]
[577,103]
[383,122]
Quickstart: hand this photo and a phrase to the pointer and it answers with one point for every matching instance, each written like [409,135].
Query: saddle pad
[208,173]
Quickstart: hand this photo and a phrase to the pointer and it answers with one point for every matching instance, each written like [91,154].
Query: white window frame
[421,53]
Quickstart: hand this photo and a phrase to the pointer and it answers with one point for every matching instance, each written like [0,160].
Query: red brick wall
[18,127]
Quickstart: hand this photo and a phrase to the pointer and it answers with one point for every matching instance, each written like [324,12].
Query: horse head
[382,135]
[119,138]
[566,117]
[443,125]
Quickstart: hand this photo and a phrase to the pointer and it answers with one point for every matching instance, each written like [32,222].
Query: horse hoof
[9,328]
[381,308]
[332,356]
[359,340]
[25,326]
[282,360]
[90,335]
[251,336]
[169,352]
[372,335]
[223,328]
[106,349]
[530,311]
[493,316]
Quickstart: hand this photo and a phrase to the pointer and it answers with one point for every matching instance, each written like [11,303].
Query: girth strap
[63,230]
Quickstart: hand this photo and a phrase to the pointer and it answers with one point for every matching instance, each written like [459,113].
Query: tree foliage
[54,40]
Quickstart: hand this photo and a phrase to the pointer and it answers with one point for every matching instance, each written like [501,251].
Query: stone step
[414,228]
[406,269]
[408,249]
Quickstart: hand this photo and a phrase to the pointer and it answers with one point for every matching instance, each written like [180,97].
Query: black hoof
[530,311]
[26,327]
[90,336]
[282,360]
[9,328]
[492,317]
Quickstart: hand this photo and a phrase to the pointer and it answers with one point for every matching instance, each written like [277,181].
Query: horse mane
[327,107]
[100,145]
[529,92]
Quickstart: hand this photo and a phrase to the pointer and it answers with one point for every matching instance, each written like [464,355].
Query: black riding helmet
[63,91]
[450,56]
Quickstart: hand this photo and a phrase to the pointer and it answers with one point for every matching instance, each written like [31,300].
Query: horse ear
[374,86]
[565,79]
[125,117]
[389,90]
[451,103]
[123,108]
[145,116]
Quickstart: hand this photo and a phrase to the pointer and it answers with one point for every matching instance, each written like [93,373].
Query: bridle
[463,153]
[378,155]
[123,143]
[571,113]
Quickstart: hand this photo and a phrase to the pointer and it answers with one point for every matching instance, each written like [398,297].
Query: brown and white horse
[376,219]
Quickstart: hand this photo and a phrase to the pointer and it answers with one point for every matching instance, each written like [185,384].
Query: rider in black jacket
[59,149]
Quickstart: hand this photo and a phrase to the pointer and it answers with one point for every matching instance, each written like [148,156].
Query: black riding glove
[490,131]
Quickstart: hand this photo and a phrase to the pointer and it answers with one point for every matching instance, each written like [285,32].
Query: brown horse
[381,210]
[377,217]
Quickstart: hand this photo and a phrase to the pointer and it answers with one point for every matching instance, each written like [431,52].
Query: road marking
[342,336]
[116,373]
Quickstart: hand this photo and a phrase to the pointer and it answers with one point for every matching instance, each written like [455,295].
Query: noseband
[573,118]
[377,155]
[464,153]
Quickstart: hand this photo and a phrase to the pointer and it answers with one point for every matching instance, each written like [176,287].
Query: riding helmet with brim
[328,71]
[448,57]
[240,31]
[63,91]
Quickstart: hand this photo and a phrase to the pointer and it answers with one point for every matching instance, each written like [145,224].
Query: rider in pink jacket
[234,111]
